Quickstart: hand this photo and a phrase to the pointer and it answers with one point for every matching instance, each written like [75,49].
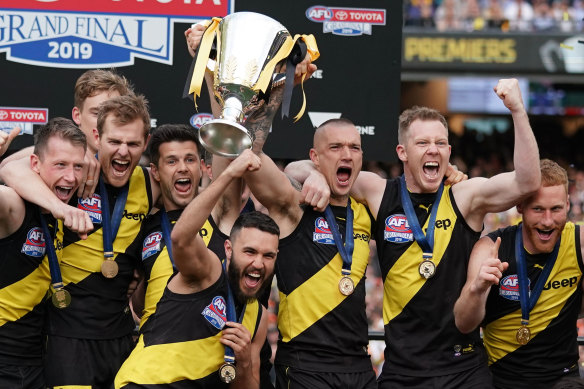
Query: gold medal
[346,285]
[523,335]
[109,268]
[427,269]
[227,372]
[61,298]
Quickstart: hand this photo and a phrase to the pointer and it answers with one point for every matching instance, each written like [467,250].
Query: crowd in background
[495,15]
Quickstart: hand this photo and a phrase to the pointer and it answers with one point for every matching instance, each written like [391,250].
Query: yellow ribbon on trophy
[265,75]
[203,57]
[287,46]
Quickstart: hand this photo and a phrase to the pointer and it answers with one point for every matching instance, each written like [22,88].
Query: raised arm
[479,196]
[29,185]
[228,206]
[484,270]
[12,211]
[197,264]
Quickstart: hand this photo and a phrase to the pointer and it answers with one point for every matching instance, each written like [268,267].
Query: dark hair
[254,219]
[125,109]
[339,121]
[168,133]
[95,81]
[61,127]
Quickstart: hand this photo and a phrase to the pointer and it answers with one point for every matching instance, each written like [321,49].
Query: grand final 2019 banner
[46,44]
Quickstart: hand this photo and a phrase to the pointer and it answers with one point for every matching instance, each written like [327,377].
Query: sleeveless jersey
[420,335]
[150,247]
[179,346]
[320,328]
[553,348]
[24,282]
[99,306]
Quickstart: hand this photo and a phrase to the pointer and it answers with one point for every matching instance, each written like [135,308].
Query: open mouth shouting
[544,235]
[120,167]
[183,185]
[64,193]
[252,279]
[431,169]
[344,175]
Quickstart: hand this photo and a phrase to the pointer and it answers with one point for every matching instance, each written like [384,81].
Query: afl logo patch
[151,244]
[322,233]
[35,243]
[91,206]
[397,229]
[509,287]
[215,313]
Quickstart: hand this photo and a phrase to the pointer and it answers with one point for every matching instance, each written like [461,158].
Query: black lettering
[556,284]
[547,286]
[134,216]
[446,223]
[565,282]
[573,280]
[203,232]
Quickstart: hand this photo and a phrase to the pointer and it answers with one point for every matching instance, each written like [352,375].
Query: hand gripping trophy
[249,46]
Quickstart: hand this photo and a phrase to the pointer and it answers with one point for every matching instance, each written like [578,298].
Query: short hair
[417,113]
[125,109]
[254,219]
[61,127]
[168,133]
[95,81]
[339,121]
[553,174]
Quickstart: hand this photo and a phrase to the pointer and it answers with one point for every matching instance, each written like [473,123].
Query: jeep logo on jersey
[346,21]
[397,229]
[199,119]
[566,282]
[215,313]
[322,233]
[151,244]
[91,206]
[509,287]
[98,33]
[35,243]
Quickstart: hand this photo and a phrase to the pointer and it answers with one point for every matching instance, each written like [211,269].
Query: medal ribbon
[56,279]
[166,235]
[346,249]
[231,315]
[426,242]
[527,300]
[111,226]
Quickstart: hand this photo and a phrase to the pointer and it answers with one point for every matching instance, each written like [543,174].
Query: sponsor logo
[317,118]
[98,33]
[346,21]
[397,229]
[91,206]
[199,119]
[215,313]
[24,115]
[151,244]
[35,243]
[134,216]
[566,282]
[322,233]
[509,287]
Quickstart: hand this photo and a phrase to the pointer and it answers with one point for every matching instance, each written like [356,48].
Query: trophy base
[224,137]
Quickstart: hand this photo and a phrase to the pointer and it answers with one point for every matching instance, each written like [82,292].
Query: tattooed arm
[260,122]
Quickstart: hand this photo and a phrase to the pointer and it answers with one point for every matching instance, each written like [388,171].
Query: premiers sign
[97,33]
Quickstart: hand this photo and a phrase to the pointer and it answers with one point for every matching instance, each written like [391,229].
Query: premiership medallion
[427,269]
[61,298]
[523,335]
[346,285]
[109,268]
[227,372]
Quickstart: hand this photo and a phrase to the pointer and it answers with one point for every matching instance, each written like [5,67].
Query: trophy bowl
[246,42]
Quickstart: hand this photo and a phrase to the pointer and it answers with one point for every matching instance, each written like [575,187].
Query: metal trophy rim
[246,139]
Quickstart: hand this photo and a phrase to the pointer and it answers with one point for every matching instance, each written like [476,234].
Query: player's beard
[234,274]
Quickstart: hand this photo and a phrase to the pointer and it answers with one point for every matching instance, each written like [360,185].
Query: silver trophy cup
[246,41]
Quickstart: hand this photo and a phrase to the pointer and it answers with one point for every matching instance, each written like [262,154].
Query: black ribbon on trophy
[110,226]
[248,46]
[528,300]
[227,371]
[61,298]
[346,284]
[427,268]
